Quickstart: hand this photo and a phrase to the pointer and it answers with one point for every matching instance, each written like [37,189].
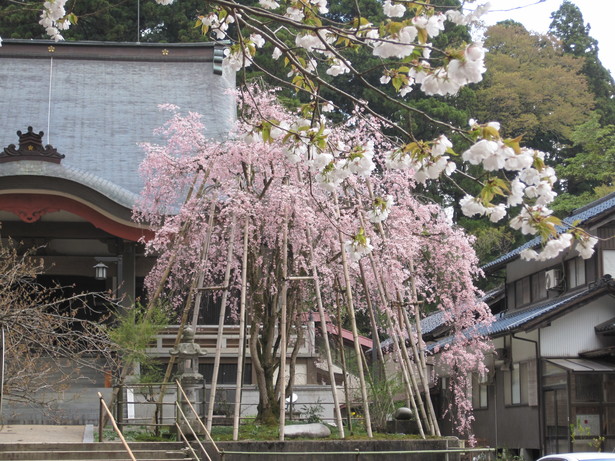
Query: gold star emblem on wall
[165,52]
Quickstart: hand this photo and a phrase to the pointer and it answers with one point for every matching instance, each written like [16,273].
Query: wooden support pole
[242,330]
[353,324]
[199,293]
[343,356]
[420,364]
[421,349]
[325,336]
[283,329]
[398,342]
[227,276]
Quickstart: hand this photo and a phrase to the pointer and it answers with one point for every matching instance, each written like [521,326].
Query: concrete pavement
[24,433]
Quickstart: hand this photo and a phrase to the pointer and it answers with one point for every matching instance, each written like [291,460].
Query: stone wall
[340,450]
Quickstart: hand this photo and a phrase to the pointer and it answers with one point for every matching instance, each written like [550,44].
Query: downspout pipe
[539,384]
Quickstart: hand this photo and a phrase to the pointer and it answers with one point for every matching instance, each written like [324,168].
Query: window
[510,296]
[227,374]
[608,262]
[575,272]
[587,387]
[479,391]
[522,291]
[515,380]
[520,386]
[539,286]
[530,289]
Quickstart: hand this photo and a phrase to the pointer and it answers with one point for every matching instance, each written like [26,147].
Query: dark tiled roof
[432,322]
[35,168]
[582,215]
[96,111]
[506,322]
[509,321]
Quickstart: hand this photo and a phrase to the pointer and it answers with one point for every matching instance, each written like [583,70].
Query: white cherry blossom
[585,247]
[471,206]
[393,10]
[381,209]
[357,249]
[496,213]
[269,4]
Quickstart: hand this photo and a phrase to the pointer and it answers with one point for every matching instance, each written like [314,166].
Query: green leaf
[397,83]
[423,35]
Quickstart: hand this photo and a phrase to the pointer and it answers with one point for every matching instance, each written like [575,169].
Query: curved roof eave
[31,189]
[104,187]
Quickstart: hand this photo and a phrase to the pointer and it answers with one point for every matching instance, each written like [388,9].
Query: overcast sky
[535,15]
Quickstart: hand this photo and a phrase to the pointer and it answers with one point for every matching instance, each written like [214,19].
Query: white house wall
[524,350]
[520,268]
[574,332]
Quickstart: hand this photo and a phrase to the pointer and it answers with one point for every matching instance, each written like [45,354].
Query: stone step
[126,458]
[96,446]
[16,455]
[103,451]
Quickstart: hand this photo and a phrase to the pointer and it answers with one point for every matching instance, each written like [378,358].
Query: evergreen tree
[568,26]
[590,174]
[109,20]
[533,88]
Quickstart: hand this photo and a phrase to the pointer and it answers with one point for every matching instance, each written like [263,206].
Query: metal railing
[104,409]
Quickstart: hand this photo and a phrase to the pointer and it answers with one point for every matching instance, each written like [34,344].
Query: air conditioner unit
[553,277]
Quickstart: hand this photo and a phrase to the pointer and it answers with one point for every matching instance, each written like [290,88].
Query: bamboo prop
[409,380]
[409,399]
[372,319]
[214,377]
[421,346]
[283,339]
[161,284]
[190,300]
[343,356]
[398,344]
[325,335]
[384,299]
[353,324]
[414,385]
[182,231]
[421,366]
[408,370]
[199,293]
[242,334]
[422,370]
[378,364]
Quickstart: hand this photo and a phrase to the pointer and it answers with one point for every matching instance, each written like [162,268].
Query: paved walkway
[41,434]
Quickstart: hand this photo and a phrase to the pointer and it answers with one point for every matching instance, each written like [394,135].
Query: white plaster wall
[574,333]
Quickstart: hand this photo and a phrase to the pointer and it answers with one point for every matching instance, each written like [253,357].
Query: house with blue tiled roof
[551,381]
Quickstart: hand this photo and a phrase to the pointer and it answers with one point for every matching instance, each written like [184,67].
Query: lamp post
[101,270]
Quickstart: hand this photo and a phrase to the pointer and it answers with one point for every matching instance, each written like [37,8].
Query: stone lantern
[187,355]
